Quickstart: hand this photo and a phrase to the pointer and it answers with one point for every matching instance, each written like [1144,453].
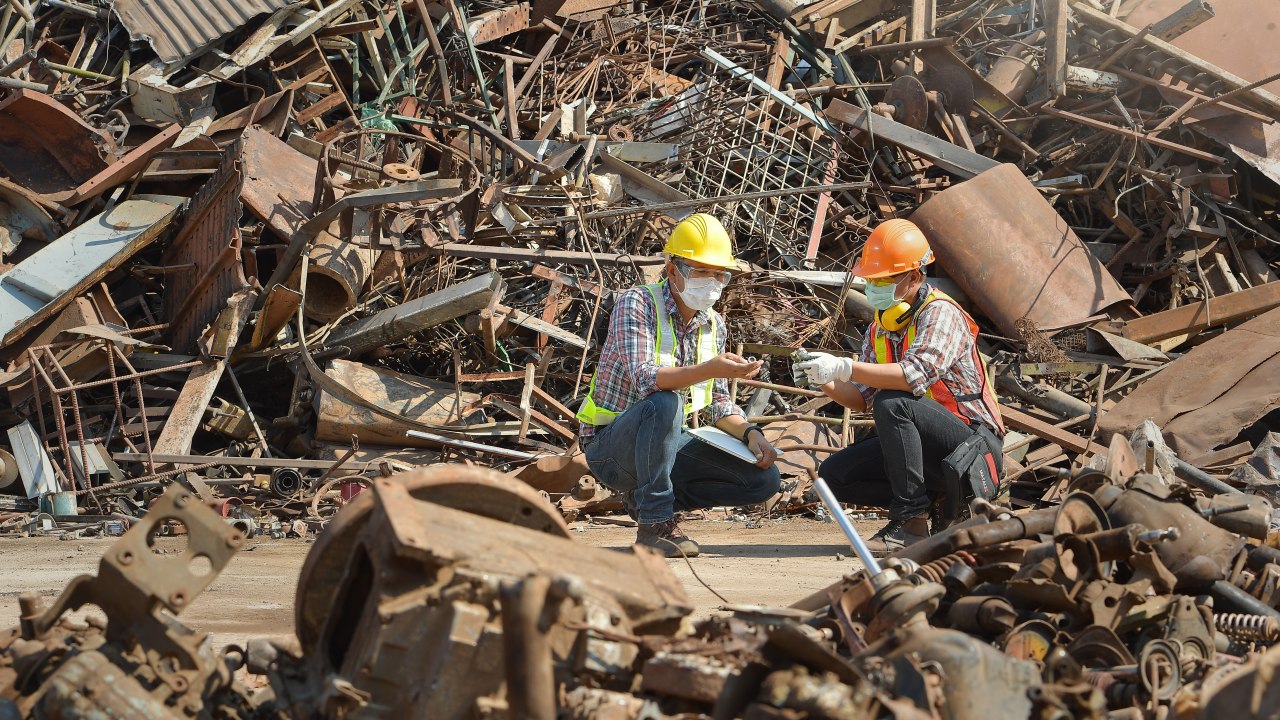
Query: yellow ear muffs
[896,317]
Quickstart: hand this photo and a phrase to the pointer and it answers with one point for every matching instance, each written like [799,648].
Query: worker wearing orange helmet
[938,424]
[663,362]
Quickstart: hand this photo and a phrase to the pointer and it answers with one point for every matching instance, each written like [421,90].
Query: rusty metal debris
[271,253]
[457,592]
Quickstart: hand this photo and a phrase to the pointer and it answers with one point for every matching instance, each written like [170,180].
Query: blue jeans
[646,450]
[900,468]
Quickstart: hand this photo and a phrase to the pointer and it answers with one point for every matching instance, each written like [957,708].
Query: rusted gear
[475,490]
[620,133]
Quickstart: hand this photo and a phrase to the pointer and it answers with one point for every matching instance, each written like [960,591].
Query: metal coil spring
[934,571]
[1248,628]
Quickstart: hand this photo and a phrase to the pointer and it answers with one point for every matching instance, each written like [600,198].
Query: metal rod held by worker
[859,546]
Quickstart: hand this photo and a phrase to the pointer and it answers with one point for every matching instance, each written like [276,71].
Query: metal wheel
[475,490]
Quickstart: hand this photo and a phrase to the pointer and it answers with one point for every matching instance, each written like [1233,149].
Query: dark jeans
[900,468]
[646,450]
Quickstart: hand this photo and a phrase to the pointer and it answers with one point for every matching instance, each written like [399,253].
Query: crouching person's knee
[763,485]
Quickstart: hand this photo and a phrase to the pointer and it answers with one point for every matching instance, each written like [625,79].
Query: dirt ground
[774,565]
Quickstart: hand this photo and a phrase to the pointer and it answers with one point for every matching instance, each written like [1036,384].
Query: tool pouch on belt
[970,466]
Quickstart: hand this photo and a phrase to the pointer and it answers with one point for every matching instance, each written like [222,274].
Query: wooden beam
[401,321]
[1055,62]
[948,156]
[1019,420]
[1206,314]
[511,254]
[924,18]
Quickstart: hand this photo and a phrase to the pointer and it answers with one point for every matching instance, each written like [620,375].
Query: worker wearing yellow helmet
[938,425]
[663,362]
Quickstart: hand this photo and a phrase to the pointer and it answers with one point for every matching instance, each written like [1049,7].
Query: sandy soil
[775,564]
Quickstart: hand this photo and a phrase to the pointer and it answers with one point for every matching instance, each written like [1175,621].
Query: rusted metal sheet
[1239,37]
[424,400]
[123,169]
[998,238]
[1203,399]
[44,146]
[279,182]
[208,249]
[498,23]
[178,29]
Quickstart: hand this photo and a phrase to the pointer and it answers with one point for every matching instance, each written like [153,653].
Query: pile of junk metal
[456,592]
[273,251]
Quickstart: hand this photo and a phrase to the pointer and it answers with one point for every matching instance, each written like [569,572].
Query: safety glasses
[688,271]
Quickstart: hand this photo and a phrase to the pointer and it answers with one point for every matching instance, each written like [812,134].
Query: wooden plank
[1194,318]
[569,257]
[180,459]
[948,156]
[924,18]
[1055,62]
[44,283]
[401,321]
[529,322]
[1019,420]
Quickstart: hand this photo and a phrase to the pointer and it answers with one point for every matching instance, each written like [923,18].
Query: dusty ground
[775,564]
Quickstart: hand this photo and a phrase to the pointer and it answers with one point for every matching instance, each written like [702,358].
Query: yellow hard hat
[701,238]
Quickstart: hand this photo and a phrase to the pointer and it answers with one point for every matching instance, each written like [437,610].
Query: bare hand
[765,454]
[732,365]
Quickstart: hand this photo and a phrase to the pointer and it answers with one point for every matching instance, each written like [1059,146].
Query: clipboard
[724,442]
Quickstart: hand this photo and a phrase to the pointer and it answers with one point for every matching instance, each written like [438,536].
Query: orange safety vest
[941,391]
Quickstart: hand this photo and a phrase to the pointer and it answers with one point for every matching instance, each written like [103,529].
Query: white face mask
[701,293]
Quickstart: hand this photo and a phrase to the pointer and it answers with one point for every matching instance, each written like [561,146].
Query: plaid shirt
[628,370]
[943,350]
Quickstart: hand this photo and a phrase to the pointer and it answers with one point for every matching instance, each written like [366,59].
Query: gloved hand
[821,368]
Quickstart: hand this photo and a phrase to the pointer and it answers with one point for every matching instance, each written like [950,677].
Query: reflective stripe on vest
[665,353]
[940,391]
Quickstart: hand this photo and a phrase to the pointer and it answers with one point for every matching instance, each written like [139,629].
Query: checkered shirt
[628,371]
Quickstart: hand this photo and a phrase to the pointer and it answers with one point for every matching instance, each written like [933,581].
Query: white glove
[822,368]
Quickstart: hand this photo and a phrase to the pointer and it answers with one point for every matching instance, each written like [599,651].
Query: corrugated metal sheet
[178,28]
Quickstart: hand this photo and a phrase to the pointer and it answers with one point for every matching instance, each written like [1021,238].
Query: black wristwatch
[751,427]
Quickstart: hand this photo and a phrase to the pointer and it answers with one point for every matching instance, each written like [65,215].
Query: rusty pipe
[527,649]
[1229,598]
[1019,527]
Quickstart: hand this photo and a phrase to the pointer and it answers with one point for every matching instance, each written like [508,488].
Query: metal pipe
[465,445]
[1201,479]
[1233,598]
[527,649]
[837,512]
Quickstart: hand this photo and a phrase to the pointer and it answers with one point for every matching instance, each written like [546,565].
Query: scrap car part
[402,598]
[144,664]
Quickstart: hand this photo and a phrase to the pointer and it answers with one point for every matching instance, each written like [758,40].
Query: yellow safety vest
[699,395]
[941,391]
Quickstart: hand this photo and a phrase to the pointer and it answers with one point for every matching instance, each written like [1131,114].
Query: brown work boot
[898,534]
[667,538]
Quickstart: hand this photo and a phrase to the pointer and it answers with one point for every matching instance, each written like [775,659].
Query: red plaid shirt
[943,350]
[628,370]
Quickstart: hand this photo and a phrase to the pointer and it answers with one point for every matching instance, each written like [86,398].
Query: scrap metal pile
[274,250]
[455,592]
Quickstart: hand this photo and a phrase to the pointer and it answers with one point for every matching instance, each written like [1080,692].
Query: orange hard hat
[894,247]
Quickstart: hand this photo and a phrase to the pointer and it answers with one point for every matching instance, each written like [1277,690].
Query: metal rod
[859,546]
[478,447]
